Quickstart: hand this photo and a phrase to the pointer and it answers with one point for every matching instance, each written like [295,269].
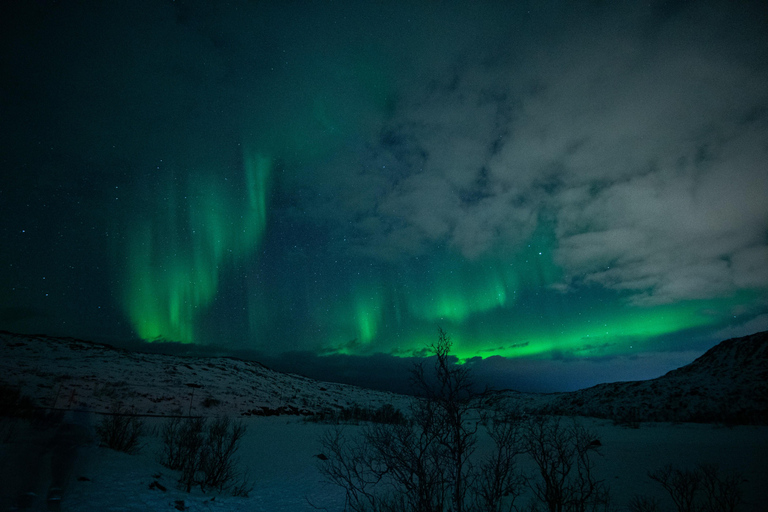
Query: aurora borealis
[175,256]
[575,190]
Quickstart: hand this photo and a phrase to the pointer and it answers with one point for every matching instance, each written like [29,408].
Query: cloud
[758,323]
[646,145]
[673,233]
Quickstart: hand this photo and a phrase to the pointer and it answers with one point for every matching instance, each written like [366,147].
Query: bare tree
[428,464]
[703,488]
[205,454]
[424,464]
[563,456]
[499,483]
[451,411]
[681,484]
[120,430]
[721,492]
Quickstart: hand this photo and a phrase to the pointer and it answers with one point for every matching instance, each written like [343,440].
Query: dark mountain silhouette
[728,384]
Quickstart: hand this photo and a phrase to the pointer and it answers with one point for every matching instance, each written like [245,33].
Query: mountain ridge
[727,384]
[71,373]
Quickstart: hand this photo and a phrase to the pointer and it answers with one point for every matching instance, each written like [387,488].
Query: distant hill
[68,373]
[728,384]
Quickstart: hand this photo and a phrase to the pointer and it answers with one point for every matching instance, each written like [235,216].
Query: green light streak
[176,257]
[505,308]
[355,319]
[454,289]
[610,330]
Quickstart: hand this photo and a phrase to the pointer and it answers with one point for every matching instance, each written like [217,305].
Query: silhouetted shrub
[563,454]
[499,483]
[703,488]
[426,464]
[643,504]
[13,403]
[205,453]
[120,430]
[210,401]
[387,413]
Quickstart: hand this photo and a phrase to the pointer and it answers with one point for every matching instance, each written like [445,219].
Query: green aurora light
[175,259]
[510,309]
[505,302]
[507,307]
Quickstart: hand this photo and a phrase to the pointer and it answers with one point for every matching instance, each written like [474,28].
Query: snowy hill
[69,373]
[729,384]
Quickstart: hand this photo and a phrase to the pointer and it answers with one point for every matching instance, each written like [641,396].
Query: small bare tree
[205,454]
[218,459]
[424,465]
[499,483]
[681,484]
[451,412]
[563,456]
[427,464]
[419,465]
[703,488]
[120,430]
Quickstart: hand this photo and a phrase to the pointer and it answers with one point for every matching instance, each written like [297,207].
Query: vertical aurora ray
[175,258]
[453,289]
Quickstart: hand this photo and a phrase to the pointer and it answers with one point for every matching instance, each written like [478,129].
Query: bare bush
[643,504]
[563,455]
[121,430]
[499,483]
[387,468]
[681,484]
[205,453]
[449,414]
[722,491]
[425,464]
[703,488]
[428,464]
[13,403]
[182,441]
[218,461]
[387,413]
[349,464]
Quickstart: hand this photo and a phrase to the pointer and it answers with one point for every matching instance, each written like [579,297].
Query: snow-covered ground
[67,374]
[279,454]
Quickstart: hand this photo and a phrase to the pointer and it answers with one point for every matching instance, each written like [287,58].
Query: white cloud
[647,145]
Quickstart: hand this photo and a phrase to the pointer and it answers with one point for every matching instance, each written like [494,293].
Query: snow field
[280,455]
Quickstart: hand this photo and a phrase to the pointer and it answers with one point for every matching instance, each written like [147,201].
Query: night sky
[577,192]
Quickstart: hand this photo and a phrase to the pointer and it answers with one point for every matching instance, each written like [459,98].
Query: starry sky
[574,191]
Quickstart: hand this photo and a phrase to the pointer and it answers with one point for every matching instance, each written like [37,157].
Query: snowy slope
[728,384]
[280,453]
[67,373]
